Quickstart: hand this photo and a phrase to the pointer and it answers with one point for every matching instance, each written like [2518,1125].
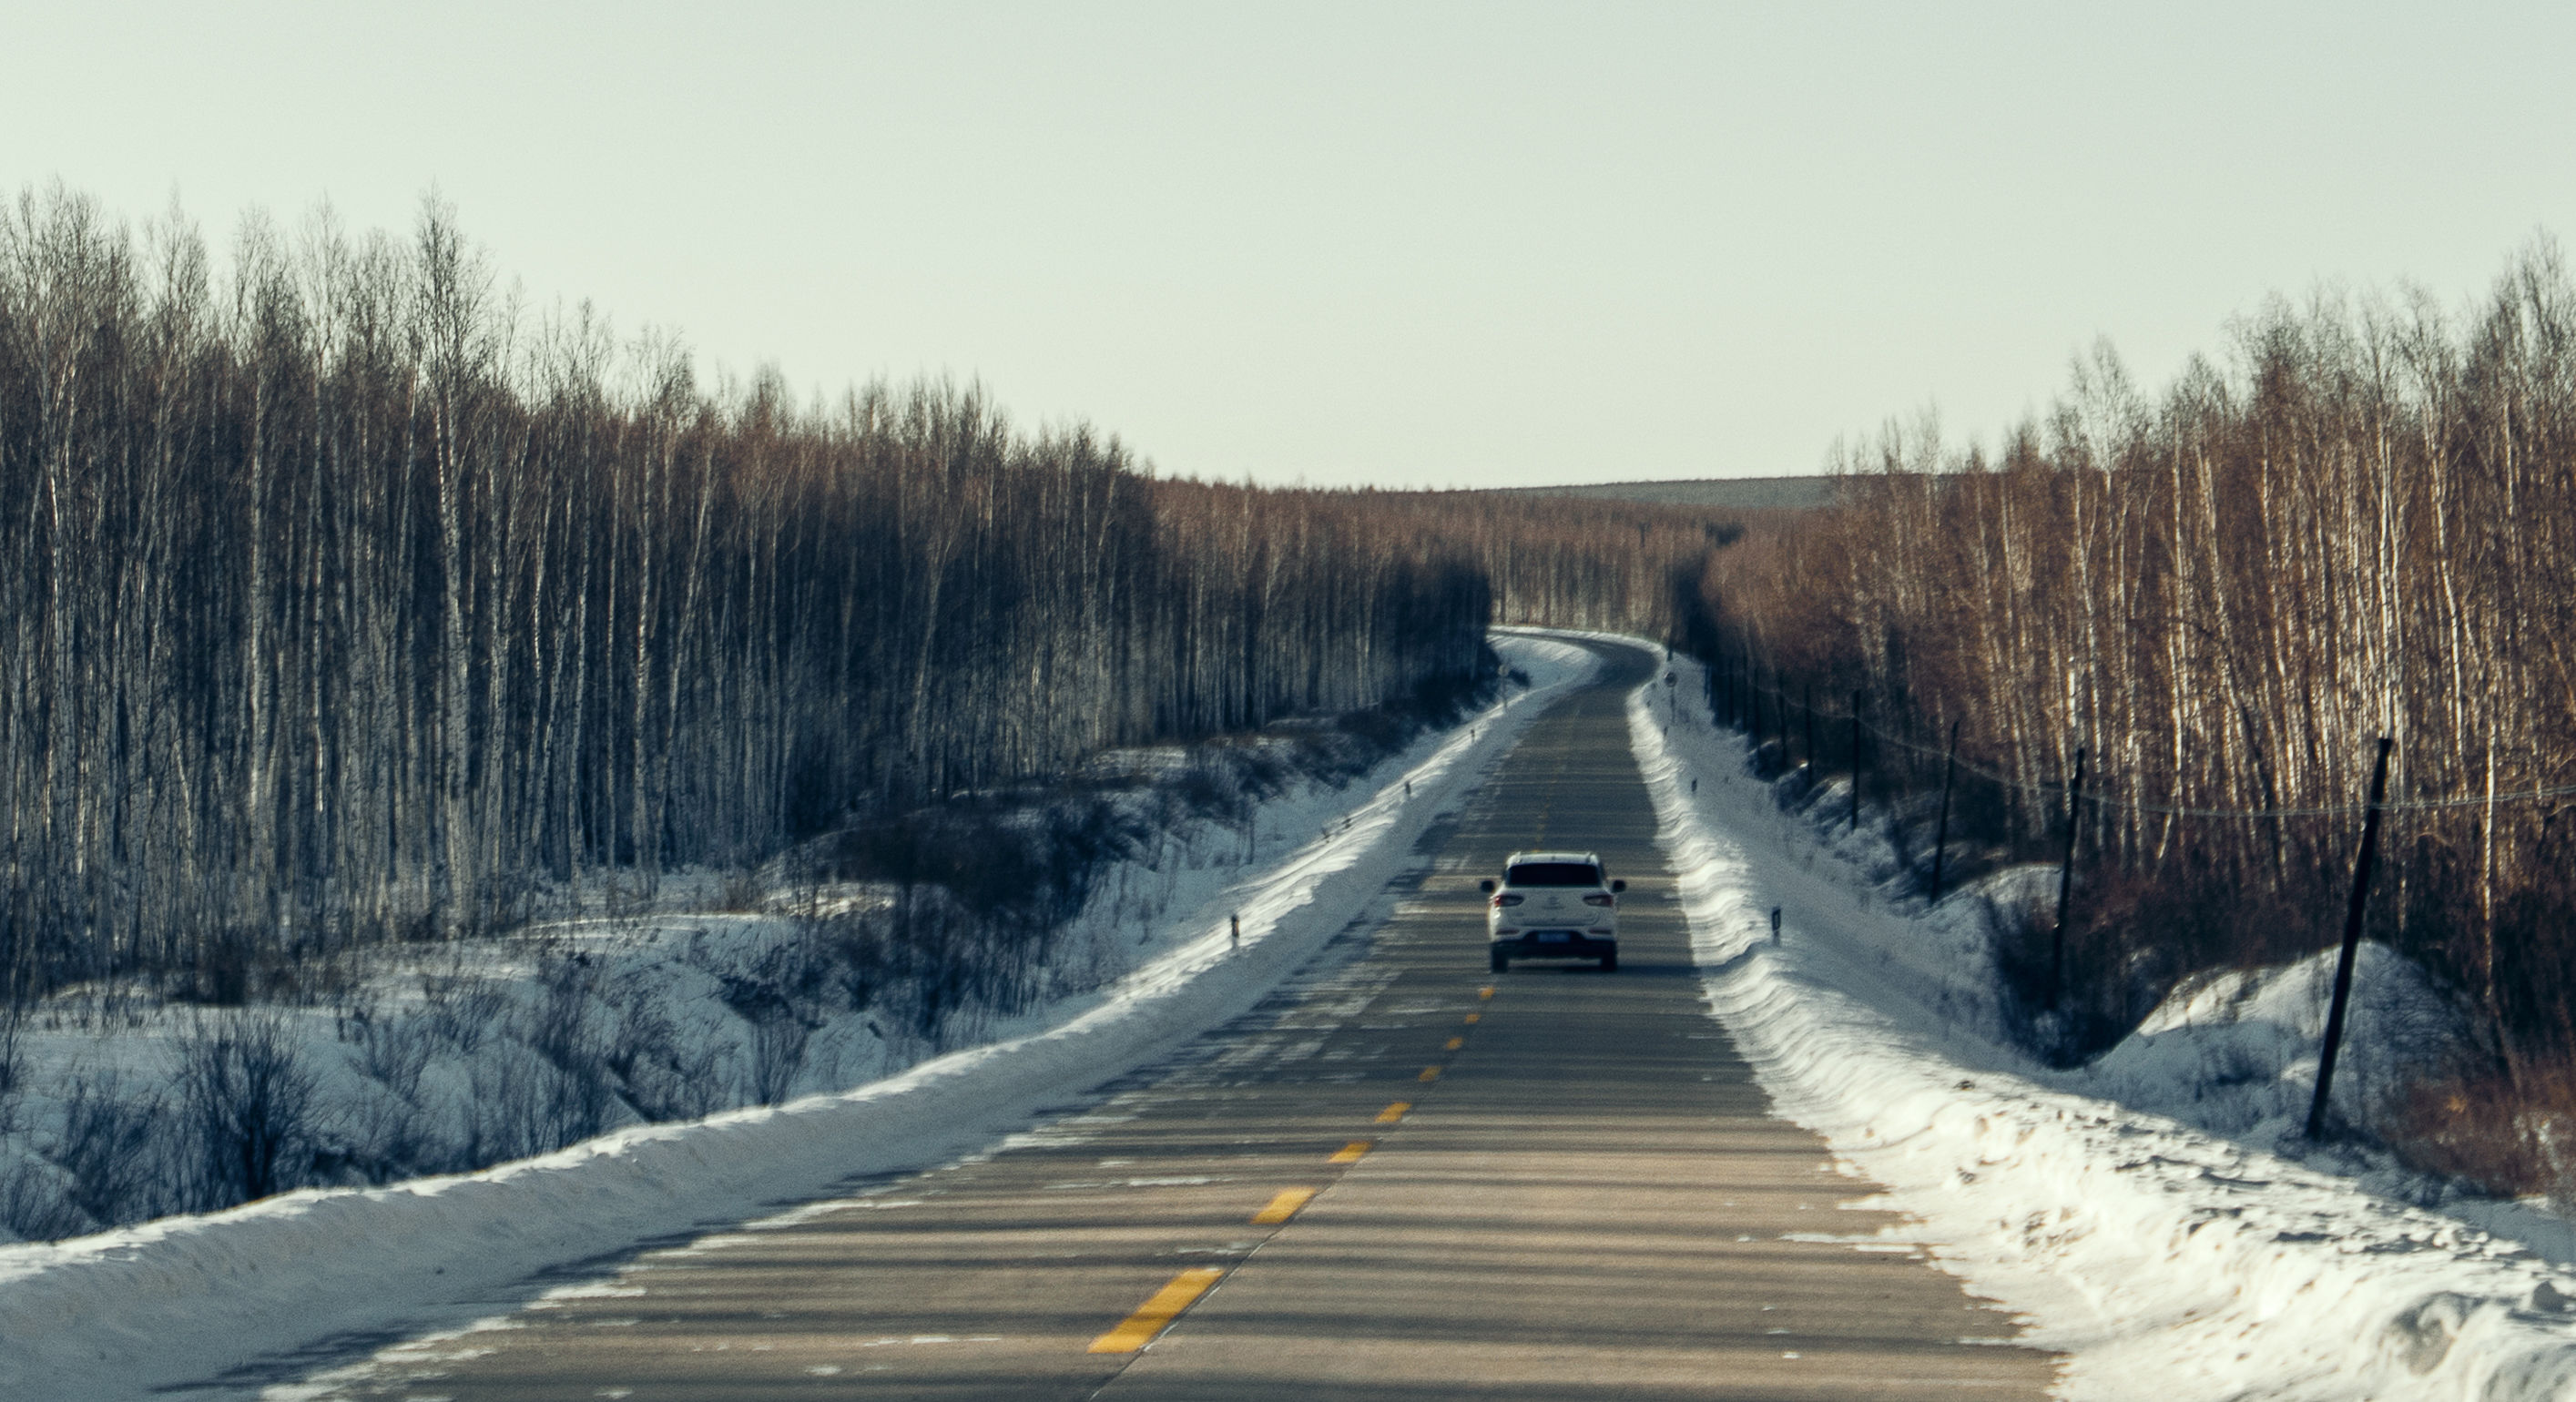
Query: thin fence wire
[2057,788]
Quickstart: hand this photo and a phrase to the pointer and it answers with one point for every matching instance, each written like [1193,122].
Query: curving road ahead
[1400,1177]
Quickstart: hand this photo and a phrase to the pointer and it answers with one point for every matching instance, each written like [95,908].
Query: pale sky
[1403,244]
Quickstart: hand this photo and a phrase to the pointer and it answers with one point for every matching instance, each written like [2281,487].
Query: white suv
[1553,905]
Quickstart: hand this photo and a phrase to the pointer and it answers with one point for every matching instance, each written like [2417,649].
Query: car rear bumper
[1554,944]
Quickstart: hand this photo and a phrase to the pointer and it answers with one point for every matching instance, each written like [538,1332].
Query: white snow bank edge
[2162,1262]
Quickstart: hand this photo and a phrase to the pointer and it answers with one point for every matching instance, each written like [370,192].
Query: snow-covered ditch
[2138,1214]
[185,1299]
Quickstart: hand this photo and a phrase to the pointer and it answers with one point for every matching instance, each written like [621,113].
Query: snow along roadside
[184,1299]
[2163,1262]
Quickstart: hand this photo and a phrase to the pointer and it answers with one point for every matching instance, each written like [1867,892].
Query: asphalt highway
[1401,1177]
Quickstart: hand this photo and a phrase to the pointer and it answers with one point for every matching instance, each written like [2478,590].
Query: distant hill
[1746,493]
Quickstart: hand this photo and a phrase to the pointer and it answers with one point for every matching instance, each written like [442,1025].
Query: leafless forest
[1578,562]
[2360,522]
[347,601]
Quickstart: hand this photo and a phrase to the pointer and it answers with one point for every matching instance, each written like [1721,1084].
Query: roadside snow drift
[2164,1261]
[183,1300]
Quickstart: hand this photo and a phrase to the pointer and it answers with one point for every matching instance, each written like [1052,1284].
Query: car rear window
[1552,874]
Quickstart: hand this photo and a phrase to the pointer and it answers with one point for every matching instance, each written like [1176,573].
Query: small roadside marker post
[1234,930]
[1775,924]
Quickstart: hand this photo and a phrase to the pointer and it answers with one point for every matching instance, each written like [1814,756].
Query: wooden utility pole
[1855,804]
[1941,830]
[2065,886]
[2351,940]
[1811,732]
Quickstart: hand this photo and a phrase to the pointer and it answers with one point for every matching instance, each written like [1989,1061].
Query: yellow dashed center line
[1156,1314]
[1283,1207]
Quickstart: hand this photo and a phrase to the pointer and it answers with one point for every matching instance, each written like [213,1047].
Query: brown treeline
[1576,562]
[341,600]
[2362,523]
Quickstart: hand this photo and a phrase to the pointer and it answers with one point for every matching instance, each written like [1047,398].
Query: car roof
[1593,857]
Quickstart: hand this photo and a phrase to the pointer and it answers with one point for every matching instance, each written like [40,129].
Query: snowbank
[2163,1260]
[2235,1052]
[623,1002]
[182,1300]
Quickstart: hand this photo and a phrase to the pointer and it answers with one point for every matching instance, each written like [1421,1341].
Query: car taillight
[1502,901]
[1601,900]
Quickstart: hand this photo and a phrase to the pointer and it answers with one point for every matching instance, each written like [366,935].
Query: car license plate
[1553,937]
